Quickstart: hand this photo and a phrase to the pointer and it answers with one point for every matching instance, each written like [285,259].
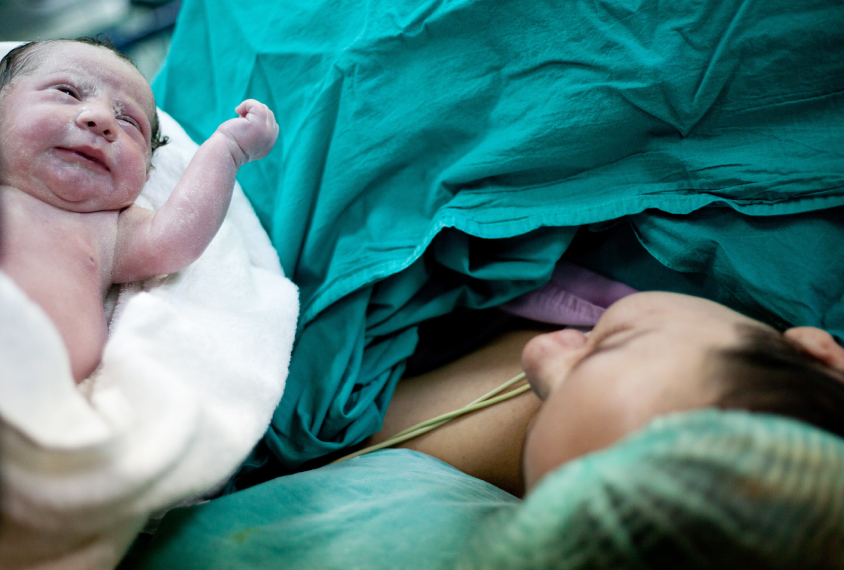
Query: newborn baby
[78,126]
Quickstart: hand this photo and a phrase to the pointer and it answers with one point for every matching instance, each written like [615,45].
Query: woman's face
[646,356]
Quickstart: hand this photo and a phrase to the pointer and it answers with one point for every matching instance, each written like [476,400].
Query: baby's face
[75,131]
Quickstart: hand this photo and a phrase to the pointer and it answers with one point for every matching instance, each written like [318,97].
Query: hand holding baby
[252,134]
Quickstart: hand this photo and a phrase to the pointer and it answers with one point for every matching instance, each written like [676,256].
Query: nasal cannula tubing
[484,401]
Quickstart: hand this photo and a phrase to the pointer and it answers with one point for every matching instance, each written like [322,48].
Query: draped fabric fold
[443,154]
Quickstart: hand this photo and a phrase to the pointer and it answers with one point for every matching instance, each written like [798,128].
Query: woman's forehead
[671,307]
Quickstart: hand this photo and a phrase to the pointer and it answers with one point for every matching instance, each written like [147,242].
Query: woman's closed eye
[602,340]
[615,339]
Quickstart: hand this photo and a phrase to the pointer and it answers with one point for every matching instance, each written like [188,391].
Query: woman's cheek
[546,445]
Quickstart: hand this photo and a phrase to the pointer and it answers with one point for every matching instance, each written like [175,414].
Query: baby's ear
[819,344]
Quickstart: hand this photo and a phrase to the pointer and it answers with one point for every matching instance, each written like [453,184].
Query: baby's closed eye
[130,120]
[68,90]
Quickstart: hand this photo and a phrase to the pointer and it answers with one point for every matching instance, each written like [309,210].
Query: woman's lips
[89,157]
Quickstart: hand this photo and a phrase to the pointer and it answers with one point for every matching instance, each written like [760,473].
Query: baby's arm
[156,243]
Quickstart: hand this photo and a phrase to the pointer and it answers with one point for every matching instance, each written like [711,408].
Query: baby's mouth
[89,157]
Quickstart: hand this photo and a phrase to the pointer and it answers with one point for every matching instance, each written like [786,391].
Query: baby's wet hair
[769,373]
[21,60]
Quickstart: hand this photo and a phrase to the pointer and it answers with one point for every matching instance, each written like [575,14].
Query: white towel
[194,366]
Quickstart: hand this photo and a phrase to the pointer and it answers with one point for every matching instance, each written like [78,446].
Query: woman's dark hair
[22,60]
[771,374]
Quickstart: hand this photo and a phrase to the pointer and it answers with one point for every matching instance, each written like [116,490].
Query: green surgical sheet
[440,155]
[698,490]
[392,509]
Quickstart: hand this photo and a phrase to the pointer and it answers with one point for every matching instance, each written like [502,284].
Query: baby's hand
[253,133]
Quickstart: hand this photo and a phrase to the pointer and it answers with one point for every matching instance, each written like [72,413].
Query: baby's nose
[100,119]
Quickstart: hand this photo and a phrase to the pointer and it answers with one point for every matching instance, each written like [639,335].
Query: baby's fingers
[253,107]
[259,113]
[245,106]
[254,131]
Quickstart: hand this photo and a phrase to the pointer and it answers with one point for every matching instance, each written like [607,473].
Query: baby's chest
[69,245]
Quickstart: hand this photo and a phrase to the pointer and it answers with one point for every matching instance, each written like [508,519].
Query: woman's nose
[549,357]
[99,118]
[571,338]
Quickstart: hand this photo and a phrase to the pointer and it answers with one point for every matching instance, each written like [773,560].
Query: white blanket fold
[193,369]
